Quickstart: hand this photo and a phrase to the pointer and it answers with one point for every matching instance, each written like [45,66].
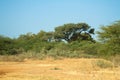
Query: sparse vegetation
[66,69]
[55,68]
[104,64]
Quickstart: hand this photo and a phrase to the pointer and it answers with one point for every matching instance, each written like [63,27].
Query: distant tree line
[70,40]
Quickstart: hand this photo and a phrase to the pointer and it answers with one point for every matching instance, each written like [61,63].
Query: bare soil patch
[65,69]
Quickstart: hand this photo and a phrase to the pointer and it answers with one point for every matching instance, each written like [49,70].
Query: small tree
[44,36]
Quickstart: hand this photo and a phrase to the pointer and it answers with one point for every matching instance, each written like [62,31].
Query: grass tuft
[104,64]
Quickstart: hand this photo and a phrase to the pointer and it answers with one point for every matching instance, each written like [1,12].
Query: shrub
[104,64]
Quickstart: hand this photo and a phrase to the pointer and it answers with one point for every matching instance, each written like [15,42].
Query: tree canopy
[110,37]
[72,32]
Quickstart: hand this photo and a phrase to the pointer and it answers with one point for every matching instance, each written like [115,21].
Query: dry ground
[65,69]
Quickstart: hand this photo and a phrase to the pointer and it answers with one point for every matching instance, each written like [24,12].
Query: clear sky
[23,16]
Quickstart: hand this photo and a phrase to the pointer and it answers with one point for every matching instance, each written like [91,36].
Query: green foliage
[72,32]
[7,46]
[44,36]
[37,46]
[80,44]
[110,39]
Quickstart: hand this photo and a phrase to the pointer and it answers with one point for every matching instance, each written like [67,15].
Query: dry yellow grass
[65,69]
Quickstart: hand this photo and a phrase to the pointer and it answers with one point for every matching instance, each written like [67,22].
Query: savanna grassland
[64,69]
[68,53]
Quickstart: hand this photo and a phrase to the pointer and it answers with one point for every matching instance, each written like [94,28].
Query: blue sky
[23,16]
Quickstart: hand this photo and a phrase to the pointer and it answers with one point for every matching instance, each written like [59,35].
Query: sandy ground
[49,69]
